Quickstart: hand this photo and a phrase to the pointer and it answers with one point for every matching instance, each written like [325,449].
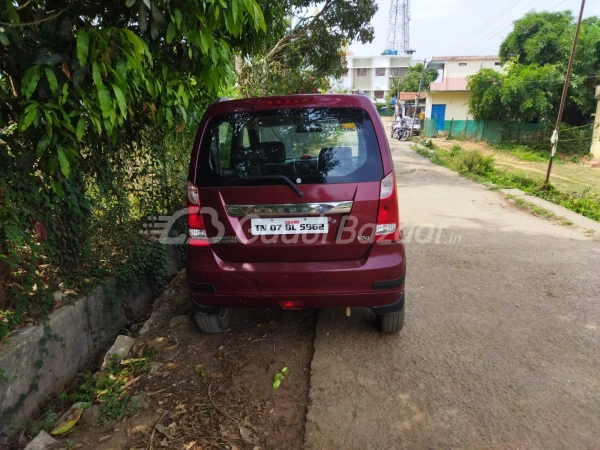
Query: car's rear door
[332,158]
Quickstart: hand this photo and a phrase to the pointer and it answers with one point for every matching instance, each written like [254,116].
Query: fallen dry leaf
[247,435]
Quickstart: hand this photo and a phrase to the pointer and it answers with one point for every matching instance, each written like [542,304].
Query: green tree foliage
[301,56]
[94,98]
[545,38]
[522,93]
[410,82]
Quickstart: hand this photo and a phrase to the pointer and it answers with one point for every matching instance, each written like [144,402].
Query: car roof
[291,101]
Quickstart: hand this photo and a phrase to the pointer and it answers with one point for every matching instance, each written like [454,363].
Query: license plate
[291,225]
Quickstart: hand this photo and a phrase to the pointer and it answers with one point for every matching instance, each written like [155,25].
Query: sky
[462,27]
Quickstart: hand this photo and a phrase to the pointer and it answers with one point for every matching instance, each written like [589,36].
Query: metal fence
[496,132]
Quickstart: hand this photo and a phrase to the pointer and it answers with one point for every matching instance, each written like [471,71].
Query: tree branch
[35,22]
[290,38]
[24,5]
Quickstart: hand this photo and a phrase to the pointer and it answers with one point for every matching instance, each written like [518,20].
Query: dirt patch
[214,391]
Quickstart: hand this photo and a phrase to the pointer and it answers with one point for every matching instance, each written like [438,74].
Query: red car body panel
[321,274]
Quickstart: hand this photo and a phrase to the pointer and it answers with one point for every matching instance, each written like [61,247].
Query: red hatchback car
[293,204]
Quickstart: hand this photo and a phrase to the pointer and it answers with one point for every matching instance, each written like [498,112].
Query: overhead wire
[486,24]
[511,23]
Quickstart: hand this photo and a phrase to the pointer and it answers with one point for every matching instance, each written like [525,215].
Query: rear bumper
[373,281]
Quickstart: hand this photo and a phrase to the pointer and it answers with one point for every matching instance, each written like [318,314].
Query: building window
[379,95]
[380,72]
[398,71]
[361,72]
[462,64]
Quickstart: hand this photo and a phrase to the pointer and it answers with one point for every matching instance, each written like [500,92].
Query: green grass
[481,168]
[538,211]
[525,153]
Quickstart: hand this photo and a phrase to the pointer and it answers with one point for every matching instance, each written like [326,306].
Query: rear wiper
[283,178]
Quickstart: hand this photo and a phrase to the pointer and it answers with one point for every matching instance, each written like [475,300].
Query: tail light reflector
[196,227]
[388,220]
[292,304]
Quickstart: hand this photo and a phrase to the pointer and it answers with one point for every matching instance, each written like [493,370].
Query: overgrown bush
[470,161]
[99,104]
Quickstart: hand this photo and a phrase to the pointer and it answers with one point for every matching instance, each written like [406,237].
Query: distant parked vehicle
[416,129]
[400,130]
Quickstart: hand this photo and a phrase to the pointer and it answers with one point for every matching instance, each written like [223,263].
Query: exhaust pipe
[347,311]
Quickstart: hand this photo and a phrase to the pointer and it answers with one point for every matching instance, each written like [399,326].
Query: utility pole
[561,108]
[412,127]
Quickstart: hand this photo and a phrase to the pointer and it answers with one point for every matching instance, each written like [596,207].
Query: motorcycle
[400,129]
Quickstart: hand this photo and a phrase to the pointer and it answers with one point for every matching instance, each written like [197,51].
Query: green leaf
[57,188]
[147,3]
[65,93]
[234,7]
[52,164]
[135,40]
[129,3]
[97,124]
[65,167]
[108,126]
[121,72]
[204,42]
[120,99]
[27,119]
[80,128]
[96,75]
[178,18]
[52,82]
[30,81]
[259,19]
[3,39]
[154,30]
[105,101]
[113,116]
[170,32]
[43,145]
[83,46]
[12,12]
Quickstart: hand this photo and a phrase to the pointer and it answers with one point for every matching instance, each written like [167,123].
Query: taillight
[285,101]
[388,220]
[196,226]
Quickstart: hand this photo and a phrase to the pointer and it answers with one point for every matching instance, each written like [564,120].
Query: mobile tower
[399,28]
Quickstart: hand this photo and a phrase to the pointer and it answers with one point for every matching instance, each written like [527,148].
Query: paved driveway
[501,347]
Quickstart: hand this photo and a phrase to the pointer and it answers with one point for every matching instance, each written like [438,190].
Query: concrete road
[501,347]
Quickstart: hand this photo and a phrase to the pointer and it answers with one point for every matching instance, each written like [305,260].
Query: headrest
[330,158]
[242,154]
[274,151]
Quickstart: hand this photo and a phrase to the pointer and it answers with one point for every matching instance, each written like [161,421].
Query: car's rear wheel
[391,322]
[214,323]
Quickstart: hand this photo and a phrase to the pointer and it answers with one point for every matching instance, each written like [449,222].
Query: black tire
[391,322]
[214,323]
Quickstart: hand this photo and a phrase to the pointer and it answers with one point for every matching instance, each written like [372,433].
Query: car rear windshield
[308,146]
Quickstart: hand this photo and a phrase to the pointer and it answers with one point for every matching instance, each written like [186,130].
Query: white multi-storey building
[372,74]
